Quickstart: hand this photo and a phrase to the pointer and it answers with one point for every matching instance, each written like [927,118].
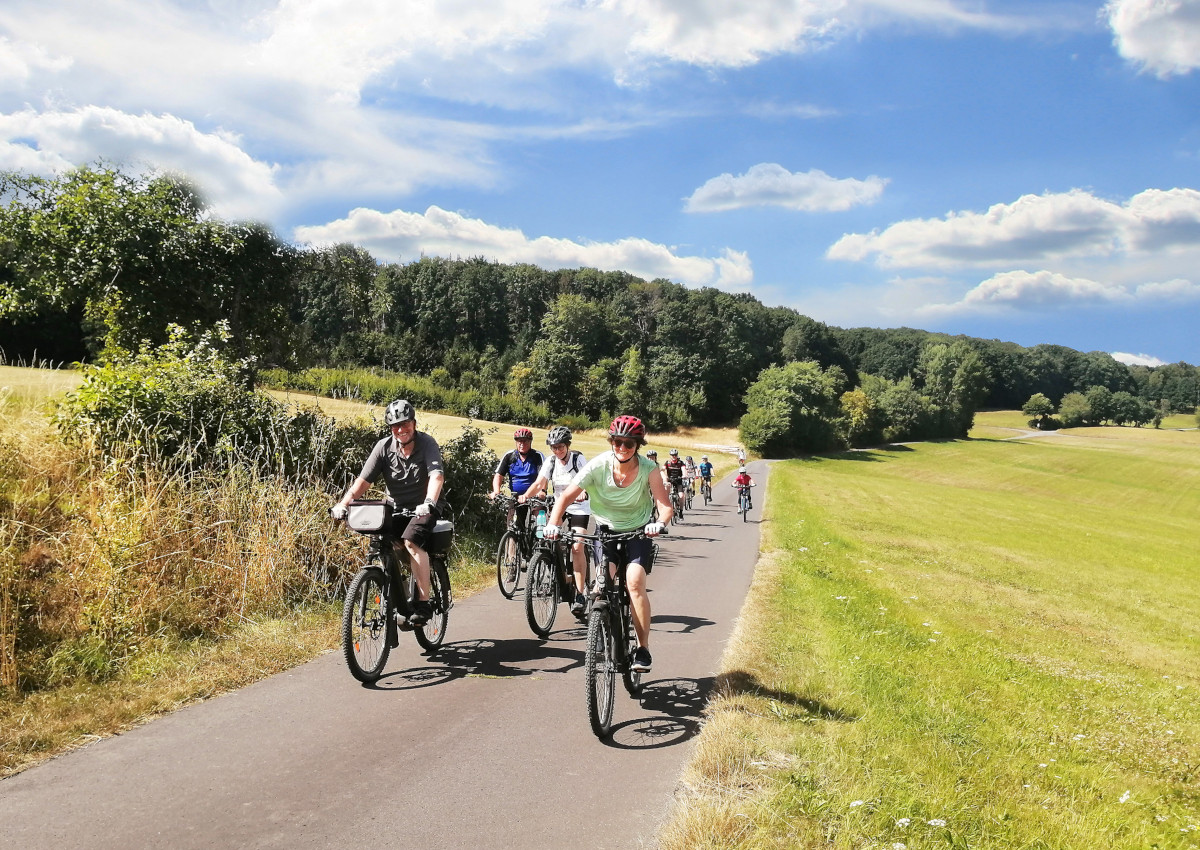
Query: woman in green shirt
[623,488]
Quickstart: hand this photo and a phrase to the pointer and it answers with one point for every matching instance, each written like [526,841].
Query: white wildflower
[903,823]
[1124,797]
[857,803]
[937,822]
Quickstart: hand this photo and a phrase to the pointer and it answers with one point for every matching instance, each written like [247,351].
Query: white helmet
[742,471]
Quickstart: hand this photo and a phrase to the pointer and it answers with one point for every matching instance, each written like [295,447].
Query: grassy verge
[985,643]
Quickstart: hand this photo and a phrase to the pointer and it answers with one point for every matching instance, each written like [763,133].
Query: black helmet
[558,434]
[399,411]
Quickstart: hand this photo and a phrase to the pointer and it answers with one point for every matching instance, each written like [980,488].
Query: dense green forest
[98,261]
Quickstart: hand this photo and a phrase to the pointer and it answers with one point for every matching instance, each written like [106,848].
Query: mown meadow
[990,643]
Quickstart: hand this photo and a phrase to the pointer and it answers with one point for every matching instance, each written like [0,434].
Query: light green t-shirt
[620,508]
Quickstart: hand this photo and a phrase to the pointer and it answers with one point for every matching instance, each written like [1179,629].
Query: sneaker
[578,605]
[641,660]
[422,611]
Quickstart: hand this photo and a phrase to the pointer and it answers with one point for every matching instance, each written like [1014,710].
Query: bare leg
[639,602]
[420,565]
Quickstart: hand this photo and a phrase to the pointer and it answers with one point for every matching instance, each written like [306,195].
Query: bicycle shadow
[679,704]
[484,658]
[738,682]
[686,625]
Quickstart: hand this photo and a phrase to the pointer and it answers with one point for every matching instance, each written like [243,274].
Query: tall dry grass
[100,561]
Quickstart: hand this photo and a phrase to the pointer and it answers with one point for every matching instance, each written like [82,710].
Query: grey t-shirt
[406,477]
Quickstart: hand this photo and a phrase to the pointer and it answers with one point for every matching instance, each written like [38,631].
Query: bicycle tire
[508,564]
[433,632]
[744,504]
[600,673]
[541,594]
[365,625]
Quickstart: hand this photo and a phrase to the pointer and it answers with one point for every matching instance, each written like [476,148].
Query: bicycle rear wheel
[508,564]
[431,635]
[541,594]
[600,673]
[364,625]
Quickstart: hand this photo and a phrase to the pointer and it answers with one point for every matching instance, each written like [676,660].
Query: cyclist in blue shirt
[521,466]
[706,469]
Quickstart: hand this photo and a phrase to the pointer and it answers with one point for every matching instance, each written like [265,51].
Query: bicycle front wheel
[364,625]
[600,673]
[541,594]
[632,678]
[508,564]
[431,635]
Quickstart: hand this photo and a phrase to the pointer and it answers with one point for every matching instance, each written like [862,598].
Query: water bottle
[541,522]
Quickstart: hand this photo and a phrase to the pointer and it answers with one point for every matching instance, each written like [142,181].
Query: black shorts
[417,529]
[638,551]
[577,521]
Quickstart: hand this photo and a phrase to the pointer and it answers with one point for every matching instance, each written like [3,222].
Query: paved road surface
[486,745]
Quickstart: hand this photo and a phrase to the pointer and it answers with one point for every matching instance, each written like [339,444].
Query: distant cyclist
[743,480]
[559,471]
[705,469]
[624,488]
[689,474]
[674,470]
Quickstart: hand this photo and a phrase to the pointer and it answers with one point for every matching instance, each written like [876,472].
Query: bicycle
[676,504]
[514,549]
[687,493]
[706,490]
[550,580]
[611,640]
[381,597]
[744,501]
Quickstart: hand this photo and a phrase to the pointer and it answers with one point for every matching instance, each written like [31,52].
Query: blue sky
[1027,171]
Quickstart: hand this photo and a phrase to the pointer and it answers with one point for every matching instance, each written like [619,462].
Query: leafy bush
[187,407]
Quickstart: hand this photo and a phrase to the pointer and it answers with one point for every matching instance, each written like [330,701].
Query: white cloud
[769,184]
[1036,292]
[236,185]
[19,60]
[1162,36]
[1137,359]
[401,234]
[1034,229]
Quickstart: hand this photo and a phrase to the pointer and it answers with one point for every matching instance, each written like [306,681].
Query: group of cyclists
[622,489]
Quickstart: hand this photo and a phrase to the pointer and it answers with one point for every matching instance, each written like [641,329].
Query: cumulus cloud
[1037,292]
[1162,36]
[401,234]
[19,60]
[1137,359]
[769,184]
[1033,229]
[236,185]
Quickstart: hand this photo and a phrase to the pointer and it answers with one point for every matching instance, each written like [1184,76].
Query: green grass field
[986,643]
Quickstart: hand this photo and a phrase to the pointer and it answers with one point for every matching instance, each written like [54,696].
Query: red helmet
[522,434]
[628,426]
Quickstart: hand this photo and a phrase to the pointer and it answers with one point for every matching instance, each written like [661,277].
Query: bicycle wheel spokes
[364,625]
[431,635]
[600,673]
[541,594]
[508,564]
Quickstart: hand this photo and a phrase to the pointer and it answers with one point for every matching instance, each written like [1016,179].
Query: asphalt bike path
[484,745]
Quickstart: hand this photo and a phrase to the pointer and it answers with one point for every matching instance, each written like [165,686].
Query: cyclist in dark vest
[521,467]
[410,464]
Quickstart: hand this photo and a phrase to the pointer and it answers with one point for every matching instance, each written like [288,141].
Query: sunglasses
[621,443]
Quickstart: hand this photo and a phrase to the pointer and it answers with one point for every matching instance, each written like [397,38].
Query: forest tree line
[99,261]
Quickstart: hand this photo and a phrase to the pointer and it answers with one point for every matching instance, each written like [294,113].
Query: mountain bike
[381,597]
[611,639]
[687,493]
[516,545]
[676,504]
[706,490]
[744,501]
[550,580]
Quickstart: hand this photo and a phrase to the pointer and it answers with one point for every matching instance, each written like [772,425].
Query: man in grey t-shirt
[410,463]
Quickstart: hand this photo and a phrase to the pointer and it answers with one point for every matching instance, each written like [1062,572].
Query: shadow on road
[485,658]
[680,702]
[678,624]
